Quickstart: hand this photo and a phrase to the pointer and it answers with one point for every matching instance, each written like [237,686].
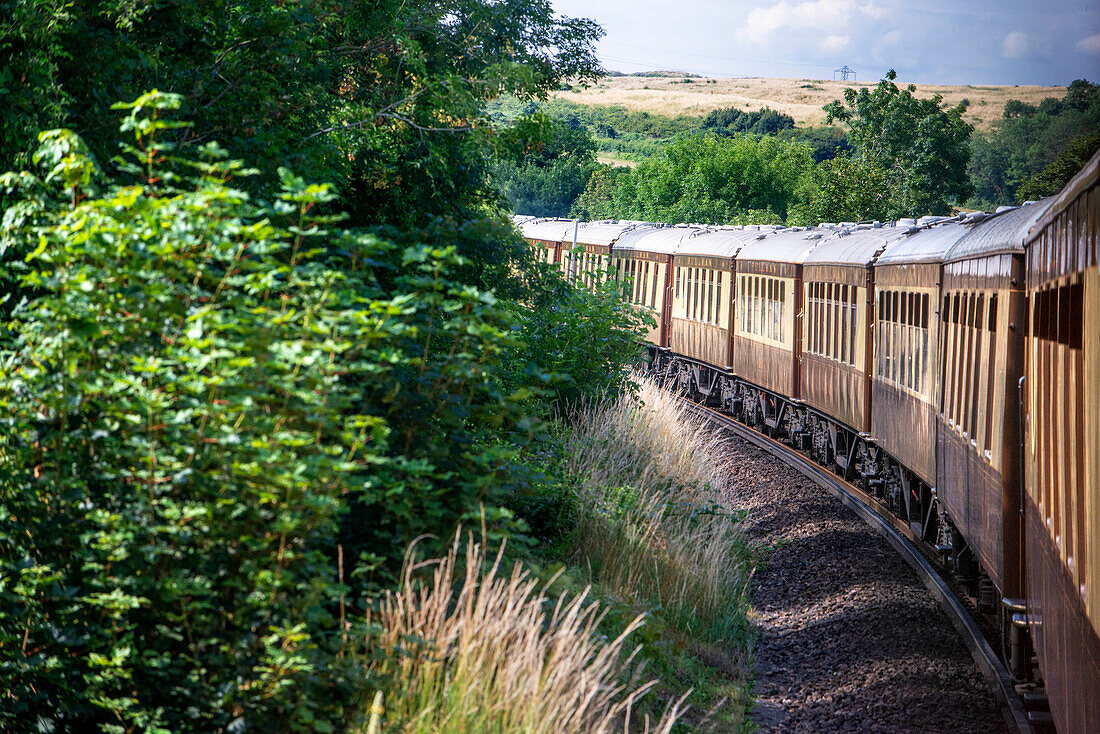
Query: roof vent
[1003,209]
[814,236]
[975,217]
[907,222]
[762,235]
[913,229]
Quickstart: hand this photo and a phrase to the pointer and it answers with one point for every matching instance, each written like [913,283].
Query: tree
[384,98]
[1054,177]
[922,146]
[843,189]
[597,201]
[550,169]
[213,416]
[1027,140]
[730,121]
[737,180]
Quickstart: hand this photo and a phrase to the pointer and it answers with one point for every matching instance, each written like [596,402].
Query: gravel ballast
[849,638]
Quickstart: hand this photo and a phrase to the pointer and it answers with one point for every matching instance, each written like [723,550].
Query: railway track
[898,535]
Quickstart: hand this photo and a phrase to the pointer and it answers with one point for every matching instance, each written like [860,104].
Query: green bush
[579,341]
[214,419]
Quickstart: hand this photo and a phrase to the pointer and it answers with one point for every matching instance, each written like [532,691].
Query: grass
[472,649]
[651,521]
[652,532]
[643,626]
[802,99]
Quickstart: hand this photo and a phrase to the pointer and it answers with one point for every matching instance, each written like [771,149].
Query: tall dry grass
[651,523]
[475,651]
[802,99]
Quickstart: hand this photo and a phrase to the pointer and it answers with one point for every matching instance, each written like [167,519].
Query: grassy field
[802,99]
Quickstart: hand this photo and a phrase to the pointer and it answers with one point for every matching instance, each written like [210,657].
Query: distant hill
[672,93]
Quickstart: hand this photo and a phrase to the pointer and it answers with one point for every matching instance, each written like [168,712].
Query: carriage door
[666,304]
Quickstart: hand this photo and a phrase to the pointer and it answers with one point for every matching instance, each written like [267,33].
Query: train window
[782,307]
[1076,315]
[819,319]
[718,299]
[704,291]
[773,307]
[1050,322]
[992,320]
[746,304]
[710,295]
[656,280]
[687,293]
[678,269]
[692,293]
[811,317]
[762,307]
[924,311]
[842,353]
[1064,314]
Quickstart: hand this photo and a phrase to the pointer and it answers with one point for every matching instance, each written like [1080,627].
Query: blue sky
[1047,42]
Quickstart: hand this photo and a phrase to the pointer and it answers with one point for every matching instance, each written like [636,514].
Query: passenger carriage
[899,467]
[642,259]
[767,338]
[703,312]
[548,236]
[1062,454]
[588,259]
[983,317]
[837,344]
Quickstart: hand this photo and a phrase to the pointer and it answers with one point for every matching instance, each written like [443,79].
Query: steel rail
[898,534]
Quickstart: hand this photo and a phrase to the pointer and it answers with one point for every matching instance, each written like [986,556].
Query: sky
[1045,42]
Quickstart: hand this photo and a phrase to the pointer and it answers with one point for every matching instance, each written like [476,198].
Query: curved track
[902,540]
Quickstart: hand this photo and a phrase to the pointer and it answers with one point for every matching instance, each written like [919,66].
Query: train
[948,366]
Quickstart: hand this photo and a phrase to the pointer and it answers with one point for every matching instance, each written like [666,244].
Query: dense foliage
[549,171]
[731,121]
[922,147]
[226,409]
[843,189]
[740,179]
[1028,140]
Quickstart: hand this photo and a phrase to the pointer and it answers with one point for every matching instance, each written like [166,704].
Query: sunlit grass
[470,648]
[651,523]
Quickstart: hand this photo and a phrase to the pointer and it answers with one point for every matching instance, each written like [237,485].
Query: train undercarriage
[854,457]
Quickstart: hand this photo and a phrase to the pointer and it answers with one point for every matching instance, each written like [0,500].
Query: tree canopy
[1027,140]
[922,147]
[707,179]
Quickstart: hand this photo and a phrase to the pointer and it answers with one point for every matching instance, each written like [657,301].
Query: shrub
[208,406]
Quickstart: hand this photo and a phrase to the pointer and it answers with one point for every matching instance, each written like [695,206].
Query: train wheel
[821,450]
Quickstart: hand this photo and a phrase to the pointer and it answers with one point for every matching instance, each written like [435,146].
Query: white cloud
[1090,45]
[1015,45]
[820,15]
[833,44]
[891,39]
